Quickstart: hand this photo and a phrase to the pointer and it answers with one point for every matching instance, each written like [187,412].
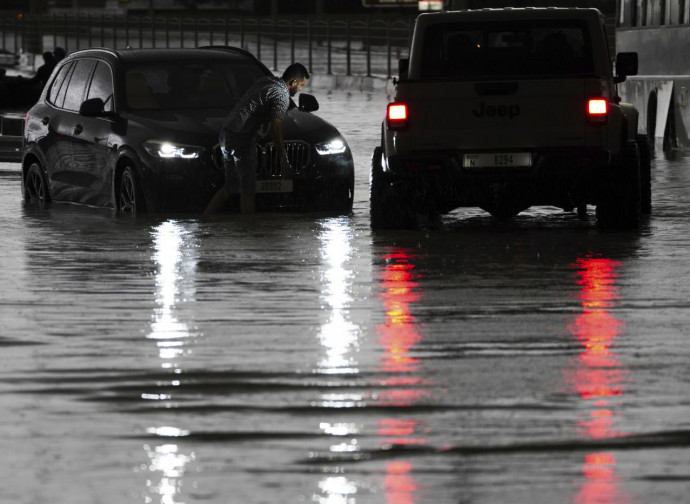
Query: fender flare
[631,120]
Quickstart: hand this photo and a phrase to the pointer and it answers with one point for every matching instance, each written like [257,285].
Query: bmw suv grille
[298,153]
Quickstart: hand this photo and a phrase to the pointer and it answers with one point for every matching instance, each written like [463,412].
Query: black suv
[137,130]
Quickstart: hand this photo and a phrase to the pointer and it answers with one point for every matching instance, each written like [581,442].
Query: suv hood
[202,127]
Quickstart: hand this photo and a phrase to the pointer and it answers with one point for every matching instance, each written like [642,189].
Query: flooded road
[305,358]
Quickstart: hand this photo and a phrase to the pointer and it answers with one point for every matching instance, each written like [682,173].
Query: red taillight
[598,109]
[397,115]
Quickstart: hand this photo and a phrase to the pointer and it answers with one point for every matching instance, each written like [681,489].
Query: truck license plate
[498,159]
[274,186]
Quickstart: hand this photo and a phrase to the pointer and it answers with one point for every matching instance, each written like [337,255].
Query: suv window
[515,49]
[102,85]
[77,84]
[56,95]
[189,84]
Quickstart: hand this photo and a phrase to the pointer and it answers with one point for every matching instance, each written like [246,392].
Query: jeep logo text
[508,111]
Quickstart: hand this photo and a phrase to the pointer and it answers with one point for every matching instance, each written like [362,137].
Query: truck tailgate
[498,114]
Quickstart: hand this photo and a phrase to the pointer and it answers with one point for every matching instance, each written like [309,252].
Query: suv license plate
[497,160]
[274,186]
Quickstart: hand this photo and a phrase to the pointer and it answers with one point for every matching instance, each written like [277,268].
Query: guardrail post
[102,31]
[16,37]
[275,44]
[292,41]
[258,39]
[40,31]
[328,42]
[242,32]
[368,39]
[196,32]
[388,45]
[210,31]
[348,48]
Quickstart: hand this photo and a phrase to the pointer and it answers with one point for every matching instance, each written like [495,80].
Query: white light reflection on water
[339,336]
[175,270]
[339,339]
[176,262]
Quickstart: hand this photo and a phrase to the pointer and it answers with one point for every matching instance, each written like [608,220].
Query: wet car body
[124,140]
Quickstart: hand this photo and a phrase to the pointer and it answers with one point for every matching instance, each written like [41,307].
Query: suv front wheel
[130,199]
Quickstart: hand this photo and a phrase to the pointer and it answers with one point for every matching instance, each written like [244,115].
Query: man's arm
[277,135]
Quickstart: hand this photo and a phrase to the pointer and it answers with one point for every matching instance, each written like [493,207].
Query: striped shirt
[265,100]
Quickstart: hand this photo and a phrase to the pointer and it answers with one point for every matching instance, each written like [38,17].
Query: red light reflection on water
[399,333]
[402,388]
[399,485]
[598,375]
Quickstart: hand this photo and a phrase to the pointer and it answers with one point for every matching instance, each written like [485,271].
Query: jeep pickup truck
[504,109]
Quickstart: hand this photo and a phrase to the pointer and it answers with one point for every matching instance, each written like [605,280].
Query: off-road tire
[645,174]
[387,208]
[619,205]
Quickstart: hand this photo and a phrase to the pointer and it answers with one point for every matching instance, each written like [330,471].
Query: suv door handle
[45,121]
[78,129]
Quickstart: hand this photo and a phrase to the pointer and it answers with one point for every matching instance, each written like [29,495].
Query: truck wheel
[619,203]
[645,174]
[387,208]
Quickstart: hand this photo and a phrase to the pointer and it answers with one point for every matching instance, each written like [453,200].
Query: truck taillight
[598,109]
[397,115]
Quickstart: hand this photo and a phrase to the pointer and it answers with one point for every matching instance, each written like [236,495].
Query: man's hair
[295,71]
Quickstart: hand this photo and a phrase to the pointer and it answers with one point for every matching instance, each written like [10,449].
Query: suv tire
[388,209]
[130,199]
[619,205]
[35,186]
[645,174]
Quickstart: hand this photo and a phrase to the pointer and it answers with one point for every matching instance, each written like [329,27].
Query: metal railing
[344,46]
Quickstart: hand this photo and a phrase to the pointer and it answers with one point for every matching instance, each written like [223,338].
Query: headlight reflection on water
[339,336]
[175,260]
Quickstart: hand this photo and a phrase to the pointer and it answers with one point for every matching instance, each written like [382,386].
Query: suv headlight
[169,150]
[335,146]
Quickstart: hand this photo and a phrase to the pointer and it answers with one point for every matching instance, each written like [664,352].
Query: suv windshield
[526,48]
[188,84]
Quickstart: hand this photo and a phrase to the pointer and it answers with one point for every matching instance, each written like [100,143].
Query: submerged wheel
[344,197]
[35,186]
[387,208]
[645,174]
[619,205]
[130,201]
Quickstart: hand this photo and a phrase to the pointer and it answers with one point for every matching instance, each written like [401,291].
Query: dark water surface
[303,358]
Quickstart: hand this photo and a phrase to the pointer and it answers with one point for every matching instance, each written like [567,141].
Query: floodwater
[304,358]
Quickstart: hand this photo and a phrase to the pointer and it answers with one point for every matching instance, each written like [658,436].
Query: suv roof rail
[232,49]
[107,50]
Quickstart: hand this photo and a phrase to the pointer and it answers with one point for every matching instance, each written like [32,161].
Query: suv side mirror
[308,102]
[93,107]
[626,64]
